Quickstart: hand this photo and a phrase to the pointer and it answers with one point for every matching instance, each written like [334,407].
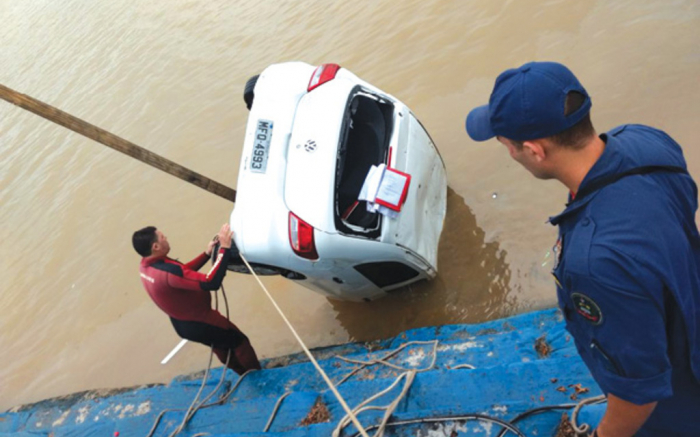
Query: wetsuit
[185,295]
[628,277]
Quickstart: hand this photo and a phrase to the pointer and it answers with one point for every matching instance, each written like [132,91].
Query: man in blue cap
[628,253]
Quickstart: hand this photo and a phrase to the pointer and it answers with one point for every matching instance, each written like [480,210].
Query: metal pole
[110,140]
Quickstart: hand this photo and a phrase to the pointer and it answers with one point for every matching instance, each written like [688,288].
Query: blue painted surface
[510,378]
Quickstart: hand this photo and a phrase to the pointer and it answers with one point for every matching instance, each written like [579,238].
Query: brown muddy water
[169,75]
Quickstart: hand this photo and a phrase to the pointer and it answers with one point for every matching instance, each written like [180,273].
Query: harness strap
[604,181]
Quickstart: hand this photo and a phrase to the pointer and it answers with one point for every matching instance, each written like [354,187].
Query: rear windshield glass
[364,142]
[386,273]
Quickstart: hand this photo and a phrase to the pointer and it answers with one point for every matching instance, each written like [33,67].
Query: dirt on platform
[565,429]
[543,348]
[319,413]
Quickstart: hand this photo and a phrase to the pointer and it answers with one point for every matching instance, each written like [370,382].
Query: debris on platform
[579,389]
[565,429]
[542,347]
[318,414]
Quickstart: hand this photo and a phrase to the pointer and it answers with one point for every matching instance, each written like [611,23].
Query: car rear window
[364,141]
[386,273]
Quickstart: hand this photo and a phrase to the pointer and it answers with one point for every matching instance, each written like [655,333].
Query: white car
[313,134]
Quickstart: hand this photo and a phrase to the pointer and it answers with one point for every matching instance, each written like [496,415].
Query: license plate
[261,146]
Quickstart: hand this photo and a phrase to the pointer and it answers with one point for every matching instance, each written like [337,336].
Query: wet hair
[577,135]
[143,240]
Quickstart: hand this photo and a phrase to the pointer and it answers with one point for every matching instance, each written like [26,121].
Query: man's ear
[536,149]
[155,247]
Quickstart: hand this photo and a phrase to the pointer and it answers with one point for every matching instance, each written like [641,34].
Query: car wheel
[248,91]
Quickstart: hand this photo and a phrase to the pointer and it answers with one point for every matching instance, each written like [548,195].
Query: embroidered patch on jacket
[587,308]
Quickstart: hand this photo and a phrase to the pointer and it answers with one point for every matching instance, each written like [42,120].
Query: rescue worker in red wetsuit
[184,294]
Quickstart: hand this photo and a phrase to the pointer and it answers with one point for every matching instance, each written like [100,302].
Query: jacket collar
[608,163]
[147,261]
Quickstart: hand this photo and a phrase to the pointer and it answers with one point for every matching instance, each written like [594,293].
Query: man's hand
[225,234]
[214,241]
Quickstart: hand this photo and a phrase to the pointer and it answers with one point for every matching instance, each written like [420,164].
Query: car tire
[249,91]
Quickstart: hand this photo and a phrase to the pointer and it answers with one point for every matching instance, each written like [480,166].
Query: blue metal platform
[509,377]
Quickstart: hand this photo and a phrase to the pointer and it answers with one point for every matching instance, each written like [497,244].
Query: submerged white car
[313,134]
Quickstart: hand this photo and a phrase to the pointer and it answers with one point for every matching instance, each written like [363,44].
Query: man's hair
[143,240]
[577,136]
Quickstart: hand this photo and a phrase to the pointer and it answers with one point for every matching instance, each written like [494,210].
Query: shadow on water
[472,285]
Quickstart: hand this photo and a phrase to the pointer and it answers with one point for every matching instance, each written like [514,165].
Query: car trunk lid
[311,157]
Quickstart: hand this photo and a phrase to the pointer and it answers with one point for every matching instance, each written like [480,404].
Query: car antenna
[117,143]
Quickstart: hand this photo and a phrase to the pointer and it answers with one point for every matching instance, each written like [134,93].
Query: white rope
[397,350]
[383,359]
[355,422]
[584,428]
[388,409]
[274,410]
[196,398]
[195,406]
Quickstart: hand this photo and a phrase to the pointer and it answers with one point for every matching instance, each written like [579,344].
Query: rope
[203,404]
[223,293]
[225,397]
[355,422]
[193,409]
[584,428]
[274,410]
[220,401]
[388,409]
[196,398]
[529,413]
[382,360]
[464,418]
[201,387]
[463,366]
[157,421]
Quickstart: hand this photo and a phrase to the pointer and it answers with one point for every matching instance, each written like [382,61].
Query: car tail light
[301,238]
[323,74]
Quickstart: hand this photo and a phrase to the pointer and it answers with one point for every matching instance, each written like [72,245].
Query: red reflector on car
[301,238]
[322,74]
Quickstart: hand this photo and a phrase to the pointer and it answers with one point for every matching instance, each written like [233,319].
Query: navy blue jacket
[628,278]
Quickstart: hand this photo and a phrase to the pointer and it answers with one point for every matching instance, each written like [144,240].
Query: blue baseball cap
[527,103]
